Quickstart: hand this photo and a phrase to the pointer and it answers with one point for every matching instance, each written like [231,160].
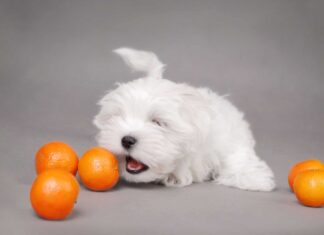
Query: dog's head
[146,122]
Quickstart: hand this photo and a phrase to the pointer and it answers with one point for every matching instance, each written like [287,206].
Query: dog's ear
[142,61]
[195,109]
[107,110]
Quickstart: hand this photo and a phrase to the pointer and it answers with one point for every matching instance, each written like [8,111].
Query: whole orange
[53,194]
[302,166]
[309,188]
[56,155]
[98,169]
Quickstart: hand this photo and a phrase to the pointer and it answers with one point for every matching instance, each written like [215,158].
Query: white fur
[142,61]
[201,135]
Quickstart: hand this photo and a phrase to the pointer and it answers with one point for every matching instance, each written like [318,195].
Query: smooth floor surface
[56,62]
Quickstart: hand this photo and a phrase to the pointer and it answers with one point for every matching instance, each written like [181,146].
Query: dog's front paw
[176,181]
[255,179]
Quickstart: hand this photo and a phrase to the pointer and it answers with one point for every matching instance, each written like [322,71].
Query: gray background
[55,63]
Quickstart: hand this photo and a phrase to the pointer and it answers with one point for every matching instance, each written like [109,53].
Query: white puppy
[176,134]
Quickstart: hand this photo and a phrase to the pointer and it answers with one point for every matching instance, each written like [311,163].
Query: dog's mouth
[134,166]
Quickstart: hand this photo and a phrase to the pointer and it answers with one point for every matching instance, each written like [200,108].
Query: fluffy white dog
[176,134]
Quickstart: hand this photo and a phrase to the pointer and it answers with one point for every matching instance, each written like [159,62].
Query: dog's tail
[142,61]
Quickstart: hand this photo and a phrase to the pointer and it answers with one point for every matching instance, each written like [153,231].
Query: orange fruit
[56,155]
[53,194]
[98,169]
[309,188]
[302,166]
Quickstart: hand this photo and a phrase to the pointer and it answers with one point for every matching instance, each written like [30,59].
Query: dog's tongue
[134,165]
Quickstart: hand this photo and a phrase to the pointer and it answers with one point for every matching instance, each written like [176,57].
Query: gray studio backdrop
[56,62]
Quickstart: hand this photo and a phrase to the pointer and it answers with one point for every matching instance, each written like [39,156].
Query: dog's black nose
[128,141]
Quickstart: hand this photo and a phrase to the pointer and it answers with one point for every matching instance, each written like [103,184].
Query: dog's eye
[157,122]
